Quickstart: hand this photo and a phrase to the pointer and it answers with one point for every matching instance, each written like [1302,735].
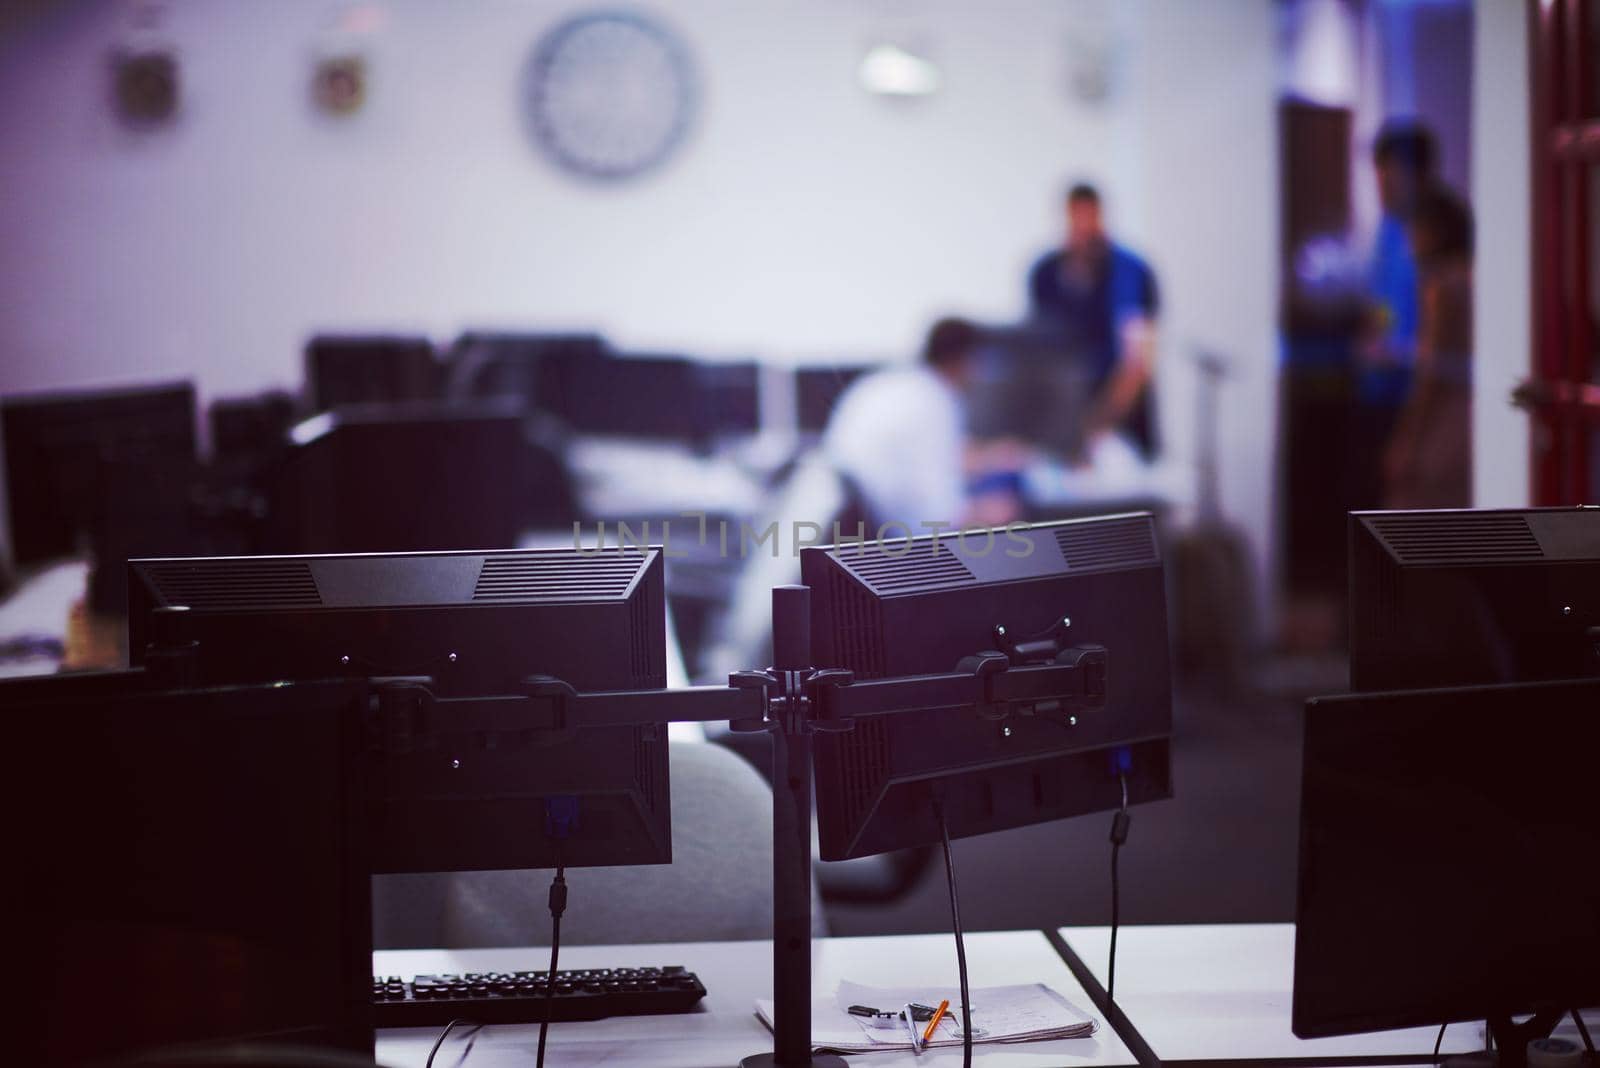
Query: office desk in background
[49,606]
[1221,994]
[627,479]
[724,1028]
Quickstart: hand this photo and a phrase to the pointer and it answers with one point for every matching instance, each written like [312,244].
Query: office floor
[1222,850]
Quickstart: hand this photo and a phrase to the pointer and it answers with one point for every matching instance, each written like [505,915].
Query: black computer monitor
[1030,383]
[818,389]
[638,395]
[250,429]
[59,446]
[658,397]
[533,367]
[370,368]
[1458,597]
[730,398]
[919,606]
[455,789]
[1449,857]
[191,867]
[415,477]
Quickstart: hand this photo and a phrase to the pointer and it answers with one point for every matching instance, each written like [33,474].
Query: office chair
[717,888]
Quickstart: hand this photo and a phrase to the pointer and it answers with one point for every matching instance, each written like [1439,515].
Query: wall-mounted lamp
[891,70]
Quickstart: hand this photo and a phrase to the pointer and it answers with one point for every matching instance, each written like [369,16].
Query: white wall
[1502,321]
[804,219]
[1205,170]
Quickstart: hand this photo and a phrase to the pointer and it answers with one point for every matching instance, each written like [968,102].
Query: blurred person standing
[1404,159]
[1405,162]
[1104,298]
[1428,460]
[900,434]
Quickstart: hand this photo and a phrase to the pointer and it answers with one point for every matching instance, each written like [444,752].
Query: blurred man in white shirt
[900,434]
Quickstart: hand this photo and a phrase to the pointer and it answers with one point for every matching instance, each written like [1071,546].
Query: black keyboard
[524,997]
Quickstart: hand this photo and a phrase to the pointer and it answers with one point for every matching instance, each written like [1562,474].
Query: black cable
[1111,963]
[558,905]
[1119,835]
[961,948]
[1583,1029]
[1439,1042]
[440,1040]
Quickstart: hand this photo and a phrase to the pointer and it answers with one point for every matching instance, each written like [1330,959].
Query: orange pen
[944,1006]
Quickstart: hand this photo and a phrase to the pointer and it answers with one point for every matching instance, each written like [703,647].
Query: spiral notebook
[1029,1012]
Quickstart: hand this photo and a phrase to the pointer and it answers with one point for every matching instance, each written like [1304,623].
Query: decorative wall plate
[339,84]
[144,86]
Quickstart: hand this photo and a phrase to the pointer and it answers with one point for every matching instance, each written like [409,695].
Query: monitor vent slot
[1108,544]
[639,634]
[858,627]
[927,565]
[566,575]
[1455,538]
[240,585]
[644,766]
[863,757]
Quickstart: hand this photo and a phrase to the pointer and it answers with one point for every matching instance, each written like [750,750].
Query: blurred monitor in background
[656,397]
[357,369]
[1032,384]
[578,384]
[417,477]
[105,471]
[731,398]
[57,447]
[817,392]
[634,396]
[245,429]
[1104,297]
[534,367]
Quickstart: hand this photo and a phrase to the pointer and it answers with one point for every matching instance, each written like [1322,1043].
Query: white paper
[1024,1013]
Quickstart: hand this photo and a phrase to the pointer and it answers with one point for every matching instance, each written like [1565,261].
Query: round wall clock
[609,95]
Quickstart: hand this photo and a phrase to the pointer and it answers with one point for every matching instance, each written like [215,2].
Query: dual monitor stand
[795,708]
[792,701]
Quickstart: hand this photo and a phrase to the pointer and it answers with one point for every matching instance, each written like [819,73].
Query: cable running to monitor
[961,948]
[558,905]
[1119,835]
[452,1025]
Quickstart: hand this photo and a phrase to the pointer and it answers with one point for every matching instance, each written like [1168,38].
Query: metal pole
[791,826]
[791,842]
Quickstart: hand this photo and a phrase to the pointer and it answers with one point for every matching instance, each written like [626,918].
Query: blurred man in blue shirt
[1404,158]
[1104,299]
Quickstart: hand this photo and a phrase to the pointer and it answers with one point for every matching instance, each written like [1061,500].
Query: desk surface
[725,1028]
[1222,993]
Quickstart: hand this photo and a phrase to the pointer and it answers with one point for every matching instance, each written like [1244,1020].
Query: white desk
[1222,993]
[623,477]
[41,605]
[724,1028]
